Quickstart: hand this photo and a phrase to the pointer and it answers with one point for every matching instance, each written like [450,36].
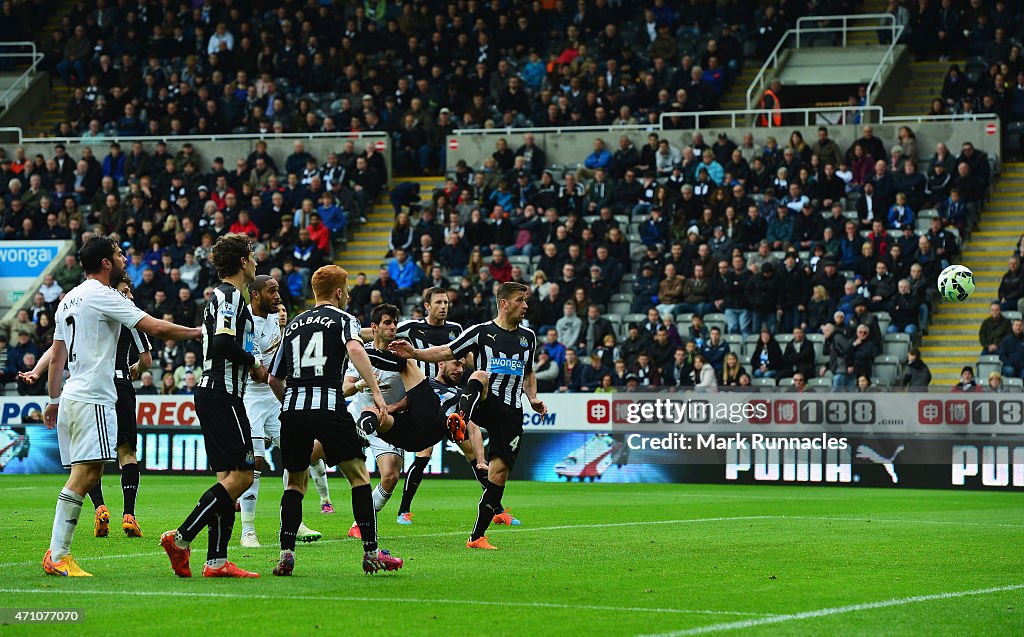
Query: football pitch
[589,559]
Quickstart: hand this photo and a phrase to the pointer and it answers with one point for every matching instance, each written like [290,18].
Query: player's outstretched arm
[166,330]
[58,357]
[361,362]
[436,354]
[33,375]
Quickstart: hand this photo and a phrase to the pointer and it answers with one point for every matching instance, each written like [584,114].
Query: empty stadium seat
[898,345]
[715,319]
[987,363]
[884,321]
[886,367]
[1013,384]
[762,382]
[820,382]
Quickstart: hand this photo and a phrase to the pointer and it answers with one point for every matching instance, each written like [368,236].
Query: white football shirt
[267,334]
[89,322]
[394,392]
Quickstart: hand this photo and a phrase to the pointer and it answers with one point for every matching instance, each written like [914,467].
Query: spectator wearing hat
[967,383]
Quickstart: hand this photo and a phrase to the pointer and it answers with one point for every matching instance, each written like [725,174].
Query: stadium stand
[646,256]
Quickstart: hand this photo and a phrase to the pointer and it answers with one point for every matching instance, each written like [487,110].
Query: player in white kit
[262,407]
[87,328]
[390,458]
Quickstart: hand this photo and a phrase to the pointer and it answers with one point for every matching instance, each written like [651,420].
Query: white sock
[380,498]
[248,504]
[284,476]
[318,471]
[65,519]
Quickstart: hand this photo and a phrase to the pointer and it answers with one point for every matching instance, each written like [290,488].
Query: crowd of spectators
[985,34]
[803,238]
[166,214]
[416,70]
[771,240]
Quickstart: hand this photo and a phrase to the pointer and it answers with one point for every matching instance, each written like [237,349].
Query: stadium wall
[569,148]
[912,440]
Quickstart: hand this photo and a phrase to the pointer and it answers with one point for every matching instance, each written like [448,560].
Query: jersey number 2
[312,356]
[71,348]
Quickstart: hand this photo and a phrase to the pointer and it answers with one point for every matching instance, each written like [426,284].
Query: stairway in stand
[735,98]
[925,85]
[368,243]
[952,341]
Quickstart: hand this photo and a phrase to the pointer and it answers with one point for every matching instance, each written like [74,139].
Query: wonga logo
[598,412]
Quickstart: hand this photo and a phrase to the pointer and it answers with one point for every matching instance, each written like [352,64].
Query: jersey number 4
[312,356]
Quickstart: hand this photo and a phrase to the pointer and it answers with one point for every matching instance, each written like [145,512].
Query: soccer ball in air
[956,283]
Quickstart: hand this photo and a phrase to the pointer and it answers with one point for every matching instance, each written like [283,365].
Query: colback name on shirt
[309,319]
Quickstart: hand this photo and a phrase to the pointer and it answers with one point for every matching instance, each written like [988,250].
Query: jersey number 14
[312,356]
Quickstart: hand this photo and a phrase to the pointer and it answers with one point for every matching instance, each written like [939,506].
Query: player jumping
[87,327]
[415,417]
[312,360]
[231,355]
[505,350]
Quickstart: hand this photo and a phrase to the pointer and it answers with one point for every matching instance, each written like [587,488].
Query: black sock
[96,495]
[490,505]
[470,398]
[368,422]
[366,517]
[130,486]
[481,476]
[208,506]
[413,477]
[291,518]
[386,361]
[221,525]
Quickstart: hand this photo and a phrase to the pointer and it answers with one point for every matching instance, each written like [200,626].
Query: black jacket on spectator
[798,357]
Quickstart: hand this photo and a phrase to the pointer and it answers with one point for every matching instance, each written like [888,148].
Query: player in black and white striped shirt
[433,329]
[504,350]
[231,353]
[307,375]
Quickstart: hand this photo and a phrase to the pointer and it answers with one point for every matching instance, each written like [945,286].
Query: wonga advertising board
[21,263]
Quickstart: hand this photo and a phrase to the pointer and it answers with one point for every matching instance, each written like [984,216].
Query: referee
[504,349]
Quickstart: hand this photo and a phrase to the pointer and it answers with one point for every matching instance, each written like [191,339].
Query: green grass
[590,559]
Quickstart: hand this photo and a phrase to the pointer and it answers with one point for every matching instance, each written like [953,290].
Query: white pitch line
[837,610]
[404,600]
[464,534]
[564,527]
[907,521]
